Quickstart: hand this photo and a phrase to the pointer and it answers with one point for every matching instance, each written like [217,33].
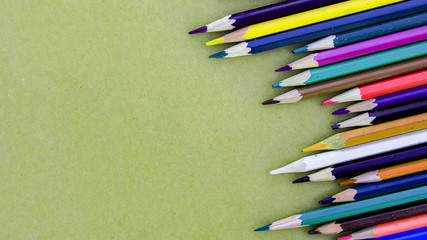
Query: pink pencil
[360,49]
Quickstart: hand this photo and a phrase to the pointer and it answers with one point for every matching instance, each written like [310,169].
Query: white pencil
[326,159]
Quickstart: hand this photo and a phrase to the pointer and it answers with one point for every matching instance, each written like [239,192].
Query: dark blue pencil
[416,234]
[384,115]
[361,34]
[377,189]
[367,164]
[325,28]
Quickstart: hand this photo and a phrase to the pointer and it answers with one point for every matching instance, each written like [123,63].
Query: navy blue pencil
[361,34]
[367,164]
[377,189]
[384,115]
[325,28]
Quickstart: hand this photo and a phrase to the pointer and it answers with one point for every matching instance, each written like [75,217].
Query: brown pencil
[351,81]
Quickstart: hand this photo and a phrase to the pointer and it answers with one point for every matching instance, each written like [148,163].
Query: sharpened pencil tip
[313,232]
[265,228]
[218,55]
[328,101]
[215,42]
[316,147]
[341,111]
[327,200]
[270,101]
[285,68]
[347,182]
[336,126]
[300,50]
[276,85]
[199,30]
[303,179]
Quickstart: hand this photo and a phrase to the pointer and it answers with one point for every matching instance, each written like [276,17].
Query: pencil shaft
[367,32]
[371,133]
[388,100]
[326,159]
[377,217]
[416,234]
[381,88]
[364,77]
[361,48]
[301,19]
[392,185]
[325,28]
[368,205]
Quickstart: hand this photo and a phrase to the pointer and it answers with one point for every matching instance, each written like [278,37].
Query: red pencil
[381,88]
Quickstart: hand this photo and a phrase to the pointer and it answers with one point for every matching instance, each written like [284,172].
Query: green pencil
[355,65]
[322,215]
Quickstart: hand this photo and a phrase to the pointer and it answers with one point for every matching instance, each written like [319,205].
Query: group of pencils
[376,50]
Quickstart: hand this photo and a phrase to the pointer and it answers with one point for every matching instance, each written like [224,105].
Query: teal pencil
[331,213]
[355,65]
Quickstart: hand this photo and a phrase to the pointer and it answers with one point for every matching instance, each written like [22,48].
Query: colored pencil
[416,234]
[365,220]
[380,88]
[326,159]
[389,228]
[355,65]
[379,188]
[360,48]
[385,101]
[388,114]
[331,213]
[371,133]
[351,81]
[325,28]
[389,172]
[365,33]
[261,14]
[367,164]
[300,19]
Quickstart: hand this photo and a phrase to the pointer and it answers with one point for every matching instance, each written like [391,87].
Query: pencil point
[285,68]
[277,85]
[328,101]
[300,50]
[303,179]
[327,200]
[215,42]
[313,232]
[199,30]
[347,182]
[341,111]
[270,101]
[265,228]
[316,147]
[219,55]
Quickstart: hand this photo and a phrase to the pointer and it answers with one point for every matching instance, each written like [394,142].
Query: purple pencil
[386,101]
[262,14]
[359,49]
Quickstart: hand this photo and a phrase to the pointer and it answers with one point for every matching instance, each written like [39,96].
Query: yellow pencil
[300,19]
[371,133]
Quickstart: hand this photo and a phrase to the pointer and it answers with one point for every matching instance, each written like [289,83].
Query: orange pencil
[389,172]
[389,228]
[371,133]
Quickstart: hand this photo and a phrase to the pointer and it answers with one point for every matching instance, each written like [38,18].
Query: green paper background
[115,125]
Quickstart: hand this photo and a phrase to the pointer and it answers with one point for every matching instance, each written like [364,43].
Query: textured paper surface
[115,125]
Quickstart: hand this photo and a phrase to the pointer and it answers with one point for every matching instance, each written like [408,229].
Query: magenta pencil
[360,48]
